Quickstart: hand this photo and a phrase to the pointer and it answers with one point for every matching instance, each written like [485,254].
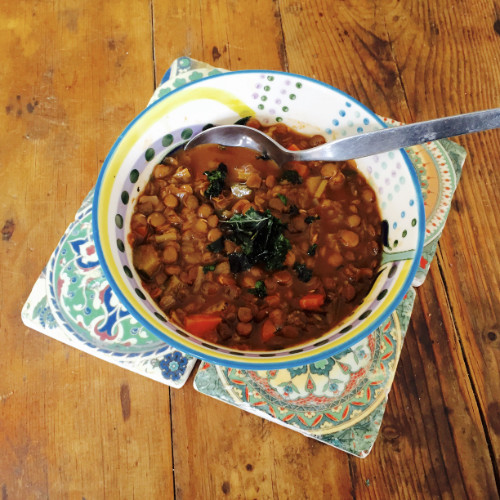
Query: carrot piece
[312,302]
[301,168]
[201,324]
[268,330]
[293,147]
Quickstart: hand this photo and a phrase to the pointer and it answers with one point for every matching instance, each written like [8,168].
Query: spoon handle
[388,139]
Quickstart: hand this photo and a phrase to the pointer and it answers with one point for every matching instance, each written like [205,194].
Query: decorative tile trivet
[339,400]
[72,302]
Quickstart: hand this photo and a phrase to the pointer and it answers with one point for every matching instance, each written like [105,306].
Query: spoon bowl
[357,146]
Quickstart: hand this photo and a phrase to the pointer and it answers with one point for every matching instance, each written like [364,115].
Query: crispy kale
[217,179]
[260,236]
[259,290]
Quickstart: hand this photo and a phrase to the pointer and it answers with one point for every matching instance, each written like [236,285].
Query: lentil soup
[251,256]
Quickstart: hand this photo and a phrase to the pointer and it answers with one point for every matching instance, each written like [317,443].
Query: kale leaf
[217,246]
[208,267]
[217,180]
[259,290]
[283,199]
[242,121]
[311,218]
[291,176]
[260,236]
[312,250]
[303,273]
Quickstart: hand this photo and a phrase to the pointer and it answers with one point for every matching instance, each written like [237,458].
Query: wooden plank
[347,45]
[459,45]
[218,33]
[71,426]
[213,442]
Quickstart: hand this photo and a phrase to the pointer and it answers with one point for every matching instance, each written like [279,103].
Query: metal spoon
[357,146]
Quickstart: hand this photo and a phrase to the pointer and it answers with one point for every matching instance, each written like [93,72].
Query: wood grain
[73,74]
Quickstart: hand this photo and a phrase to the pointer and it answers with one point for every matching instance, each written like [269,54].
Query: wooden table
[72,75]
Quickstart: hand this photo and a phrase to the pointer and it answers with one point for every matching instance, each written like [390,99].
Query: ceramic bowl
[310,107]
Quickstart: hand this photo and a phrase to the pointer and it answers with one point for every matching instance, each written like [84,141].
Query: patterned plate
[83,302]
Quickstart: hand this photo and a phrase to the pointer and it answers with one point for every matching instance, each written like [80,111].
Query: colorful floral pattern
[84,303]
[173,365]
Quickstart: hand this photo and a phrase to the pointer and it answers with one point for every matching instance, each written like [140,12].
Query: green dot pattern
[160,317]
[150,152]
[167,140]
[365,314]
[134,175]
[186,133]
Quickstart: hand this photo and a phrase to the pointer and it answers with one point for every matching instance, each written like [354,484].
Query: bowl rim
[241,362]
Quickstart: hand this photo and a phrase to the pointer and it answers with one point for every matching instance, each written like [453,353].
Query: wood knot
[494,416]
[390,433]
[492,336]
[215,53]
[125,401]
[496,26]
[8,229]
[226,487]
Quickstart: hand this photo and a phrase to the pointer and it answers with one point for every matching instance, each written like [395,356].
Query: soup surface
[251,256]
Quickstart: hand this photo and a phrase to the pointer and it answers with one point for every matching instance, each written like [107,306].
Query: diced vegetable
[312,184]
[321,188]
[240,190]
[201,324]
[301,168]
[268,330]
[146,260]
[312,302]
